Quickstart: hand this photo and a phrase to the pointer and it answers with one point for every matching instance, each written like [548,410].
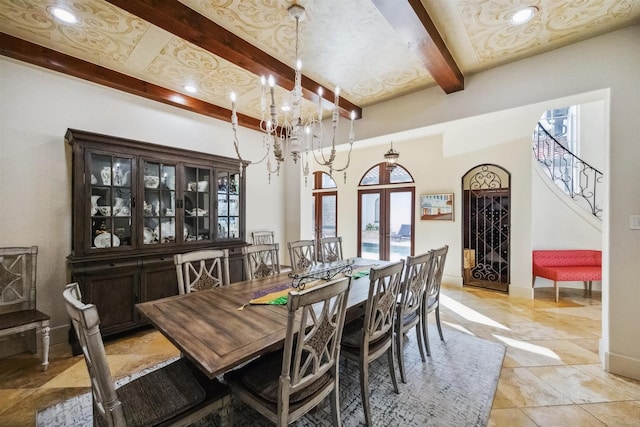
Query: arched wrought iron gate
[486,227]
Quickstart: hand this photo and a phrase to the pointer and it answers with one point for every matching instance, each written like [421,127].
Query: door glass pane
[372,177]
[329,222]
[399,175]
[400,224]
[315,226]
[369,234]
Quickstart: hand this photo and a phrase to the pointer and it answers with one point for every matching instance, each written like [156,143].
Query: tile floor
[550,376]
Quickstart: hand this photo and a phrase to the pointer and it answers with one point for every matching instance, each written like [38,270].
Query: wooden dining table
[217,329]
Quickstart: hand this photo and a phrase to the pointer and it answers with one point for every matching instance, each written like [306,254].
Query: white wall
[36,108]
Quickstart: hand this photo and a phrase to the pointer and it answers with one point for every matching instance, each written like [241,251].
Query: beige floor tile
[578,386]
[562,416]
[510,417]
[520,387]
[628,386]
[569,352]
[616,414]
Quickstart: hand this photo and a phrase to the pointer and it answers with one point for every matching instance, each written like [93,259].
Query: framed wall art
[436,207]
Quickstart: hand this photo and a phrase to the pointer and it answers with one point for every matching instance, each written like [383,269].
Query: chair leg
[425,330]
[364,390]
[557,289]
[335,406]
[226,412]
[399,337]
[438,322]
[45,347]
[392,368]
[420,342]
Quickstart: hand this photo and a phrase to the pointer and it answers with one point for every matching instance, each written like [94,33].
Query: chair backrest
[417,273]
[302,253]
[200,270]
[18,279]
[330,249]
[314,331]
[262,237]
[433,289]
[380,310]
[261,260]
[85,320]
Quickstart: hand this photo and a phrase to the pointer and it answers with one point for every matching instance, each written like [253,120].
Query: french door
[386,223]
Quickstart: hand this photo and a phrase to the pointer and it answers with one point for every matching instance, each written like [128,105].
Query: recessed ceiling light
[64,15]
[523,15]
[190,88]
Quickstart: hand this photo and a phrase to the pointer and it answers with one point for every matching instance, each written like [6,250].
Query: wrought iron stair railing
[575,177]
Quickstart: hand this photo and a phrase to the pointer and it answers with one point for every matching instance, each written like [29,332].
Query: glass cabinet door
[111,201]
[228,205]
[197,203]
[159,204]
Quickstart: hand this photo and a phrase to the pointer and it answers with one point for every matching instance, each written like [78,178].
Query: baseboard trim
[622,365]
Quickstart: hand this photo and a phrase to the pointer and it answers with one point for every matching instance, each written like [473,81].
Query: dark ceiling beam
[412,22]
[183,22]
[25,51]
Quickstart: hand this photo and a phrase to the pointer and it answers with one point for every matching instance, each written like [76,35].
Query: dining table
[219,329]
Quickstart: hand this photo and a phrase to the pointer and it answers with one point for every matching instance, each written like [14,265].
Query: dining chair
[261,260]
[262,237]
[330,249]
[175,392]
[18,313]
[286,384]
[431,299]
[409,309]
[370,336]
[200,270]
[302,254]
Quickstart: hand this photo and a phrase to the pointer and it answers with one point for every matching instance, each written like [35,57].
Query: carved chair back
[302,254]
[262,237]
[18,313]
[200,270]
[331,249]
[261,260]
[86,323]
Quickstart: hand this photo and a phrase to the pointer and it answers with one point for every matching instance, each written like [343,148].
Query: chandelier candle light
[293,133]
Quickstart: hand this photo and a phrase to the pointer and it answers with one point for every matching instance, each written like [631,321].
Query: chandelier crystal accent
[391,157]
[291,133]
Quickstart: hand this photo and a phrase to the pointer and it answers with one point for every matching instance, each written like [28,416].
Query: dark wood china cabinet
[136,205]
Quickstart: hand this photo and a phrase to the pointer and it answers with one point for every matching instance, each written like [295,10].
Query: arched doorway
[386,212]
[486,208]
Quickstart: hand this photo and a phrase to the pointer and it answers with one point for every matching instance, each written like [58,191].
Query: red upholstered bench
[567,265]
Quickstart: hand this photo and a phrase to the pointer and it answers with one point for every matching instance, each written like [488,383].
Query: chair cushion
[352,337]
[261,378]
[160,395]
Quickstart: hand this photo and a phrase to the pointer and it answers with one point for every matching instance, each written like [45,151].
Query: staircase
[575,177]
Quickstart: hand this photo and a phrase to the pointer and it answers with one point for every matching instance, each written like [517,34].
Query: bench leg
[45,347]
[557,289]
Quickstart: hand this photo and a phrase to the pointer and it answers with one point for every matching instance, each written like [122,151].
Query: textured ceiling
[349,43]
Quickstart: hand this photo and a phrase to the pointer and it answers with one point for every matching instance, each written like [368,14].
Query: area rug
[455,387]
